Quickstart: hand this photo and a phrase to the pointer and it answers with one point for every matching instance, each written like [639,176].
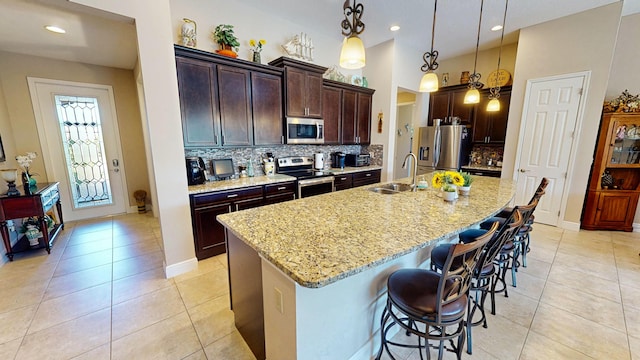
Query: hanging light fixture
[352,55]
[429,82]
[494,92]
[473,95]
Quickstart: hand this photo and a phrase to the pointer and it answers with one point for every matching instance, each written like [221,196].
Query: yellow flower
[443,178]
[252,42]
[256,46]
[438,180]
[456,178]
[263,41]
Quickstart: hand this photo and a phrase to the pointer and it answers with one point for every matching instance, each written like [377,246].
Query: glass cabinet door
[625,144]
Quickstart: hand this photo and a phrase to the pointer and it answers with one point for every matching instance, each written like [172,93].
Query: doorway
[404,140]
[551,118]
[78,130]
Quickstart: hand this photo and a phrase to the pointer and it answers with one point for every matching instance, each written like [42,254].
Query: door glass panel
[81,131]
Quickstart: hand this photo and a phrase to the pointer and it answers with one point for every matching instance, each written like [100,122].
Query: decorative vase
[188,33]
[256,57]
[464,190]
[464,77]
[33,235]
[26,183]
[449,195]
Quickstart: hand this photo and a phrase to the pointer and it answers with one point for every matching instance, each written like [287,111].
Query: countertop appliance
[309,181]
[195,170]
[318,161]
[357,160]
[305,131]
[337,160]
[223,168]
[443,147]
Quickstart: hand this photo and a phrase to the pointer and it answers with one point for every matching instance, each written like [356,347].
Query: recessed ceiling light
[394,28]
[55,29]
[496,28]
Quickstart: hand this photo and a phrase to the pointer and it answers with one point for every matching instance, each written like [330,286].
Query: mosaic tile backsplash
[480,154]
[241,155]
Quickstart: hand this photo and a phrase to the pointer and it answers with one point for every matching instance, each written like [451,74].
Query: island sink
[392,188]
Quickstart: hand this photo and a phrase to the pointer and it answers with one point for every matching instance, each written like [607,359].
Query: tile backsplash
[241,155]
[480,154]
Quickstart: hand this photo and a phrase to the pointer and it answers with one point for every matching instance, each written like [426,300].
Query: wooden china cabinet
[614,185]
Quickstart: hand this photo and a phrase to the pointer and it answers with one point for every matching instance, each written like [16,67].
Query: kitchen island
[308,277]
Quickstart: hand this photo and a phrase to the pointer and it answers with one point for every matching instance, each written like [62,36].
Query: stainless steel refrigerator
[442,147]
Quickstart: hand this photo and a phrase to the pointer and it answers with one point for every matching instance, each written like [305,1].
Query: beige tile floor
[101,294]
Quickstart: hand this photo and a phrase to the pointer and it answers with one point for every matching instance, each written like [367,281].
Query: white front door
[78,130]
[552,107]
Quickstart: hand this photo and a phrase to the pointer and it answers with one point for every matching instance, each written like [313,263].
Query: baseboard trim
[569,225]
[636,227]
[180,268]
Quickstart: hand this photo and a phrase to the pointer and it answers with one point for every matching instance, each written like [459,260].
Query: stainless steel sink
[392,188]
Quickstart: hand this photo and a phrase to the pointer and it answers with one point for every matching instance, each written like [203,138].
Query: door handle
[115,162]
[523,170]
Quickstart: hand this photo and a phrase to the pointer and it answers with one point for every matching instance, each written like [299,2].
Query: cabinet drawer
[200,200]
[366,177]
[343,182]
[277,189]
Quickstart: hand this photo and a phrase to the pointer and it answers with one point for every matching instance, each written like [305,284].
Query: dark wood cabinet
[350,106]
[228,102]
[302,87]
[279,192]
[208,233]
[491,127]
[614,184]
[448,102]
[368,177]
[198,102]
[332,114]
[234,93]
[266,91]
[343,182]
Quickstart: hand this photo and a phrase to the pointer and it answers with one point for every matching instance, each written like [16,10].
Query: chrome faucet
[415,169]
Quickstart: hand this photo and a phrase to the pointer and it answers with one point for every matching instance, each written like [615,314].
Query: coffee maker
[195,170]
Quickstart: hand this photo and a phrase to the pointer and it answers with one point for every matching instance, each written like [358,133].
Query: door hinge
[580,91]
[564,175]
[558,213]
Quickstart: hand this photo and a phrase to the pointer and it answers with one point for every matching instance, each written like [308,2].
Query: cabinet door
[247,203]
[499,119]
[235,105]
[364,118]
[624,143]
[295,92]
[616,209]
[279,192]
[208,233]
[343,182]
[198,105]
[482,119]
[314,95]
[331,113]
[266,93]
[439,105]
[366,178]
[349,124]
[459,108]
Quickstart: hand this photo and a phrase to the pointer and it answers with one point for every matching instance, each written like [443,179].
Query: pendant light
[494,92]
[429,82]
[352,55]
[473,95]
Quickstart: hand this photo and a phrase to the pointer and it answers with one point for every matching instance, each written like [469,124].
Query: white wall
[560,47]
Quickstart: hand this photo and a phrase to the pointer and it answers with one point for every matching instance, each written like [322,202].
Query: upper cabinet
[228,102]
[347,113]
[491,127]
[303,87]
[448,102]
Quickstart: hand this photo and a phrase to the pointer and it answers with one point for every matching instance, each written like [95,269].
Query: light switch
[279,300]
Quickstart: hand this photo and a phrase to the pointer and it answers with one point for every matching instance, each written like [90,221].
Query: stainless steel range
[310,181]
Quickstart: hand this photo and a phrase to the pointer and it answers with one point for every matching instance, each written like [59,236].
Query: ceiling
[110,40]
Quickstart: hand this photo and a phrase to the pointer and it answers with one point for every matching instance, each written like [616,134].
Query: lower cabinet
[208,233]
[366,177]
[343,182]
[614,210]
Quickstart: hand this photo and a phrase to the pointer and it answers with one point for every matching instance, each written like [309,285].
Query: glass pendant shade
[472,96]
[352,55]
[493,105]
[429,82]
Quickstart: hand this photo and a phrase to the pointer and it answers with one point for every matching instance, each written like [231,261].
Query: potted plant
[468,179]
[228,42]
[449,192]
[448,181]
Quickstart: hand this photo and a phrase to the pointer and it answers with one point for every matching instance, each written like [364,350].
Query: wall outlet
[279,300]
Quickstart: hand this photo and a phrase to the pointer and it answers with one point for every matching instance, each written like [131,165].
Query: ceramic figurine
[188,33]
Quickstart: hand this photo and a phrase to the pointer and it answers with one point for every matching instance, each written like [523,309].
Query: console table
[41,199]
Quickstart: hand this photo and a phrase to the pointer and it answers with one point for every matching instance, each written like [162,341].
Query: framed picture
[2,157]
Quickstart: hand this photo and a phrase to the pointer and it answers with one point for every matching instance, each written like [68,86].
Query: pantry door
[552,113]
[78,132]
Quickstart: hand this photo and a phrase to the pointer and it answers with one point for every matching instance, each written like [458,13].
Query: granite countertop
[321,239]
[263,180]
[239,183]
[483,167]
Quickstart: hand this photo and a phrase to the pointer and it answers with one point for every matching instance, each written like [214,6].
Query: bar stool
[437,302]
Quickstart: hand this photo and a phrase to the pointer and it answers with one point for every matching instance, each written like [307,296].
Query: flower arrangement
[25,161]
[256,46]
[468,179]
[446,180]
[623,103]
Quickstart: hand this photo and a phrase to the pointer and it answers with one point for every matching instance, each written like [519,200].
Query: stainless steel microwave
[305,131]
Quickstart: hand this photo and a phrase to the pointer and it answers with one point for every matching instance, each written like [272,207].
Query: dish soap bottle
[250,169]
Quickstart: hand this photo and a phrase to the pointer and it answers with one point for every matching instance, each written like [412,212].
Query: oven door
[316,186]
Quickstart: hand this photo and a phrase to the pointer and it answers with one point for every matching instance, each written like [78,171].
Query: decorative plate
[356,80]
[499,78]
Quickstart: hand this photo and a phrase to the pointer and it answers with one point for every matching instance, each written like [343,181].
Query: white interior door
[552,107]
[404,137]
[78,130]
